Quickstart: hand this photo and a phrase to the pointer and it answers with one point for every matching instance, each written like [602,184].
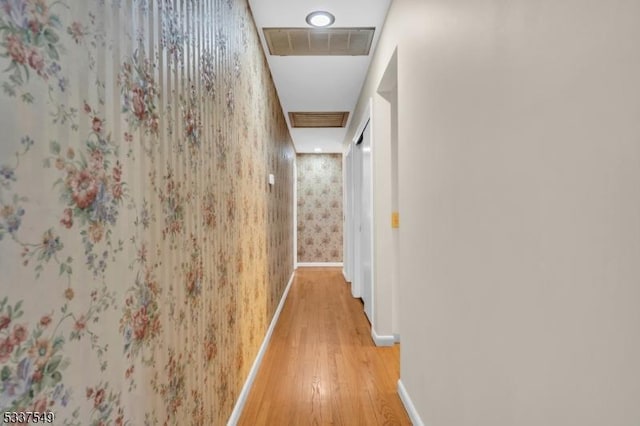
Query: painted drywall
[319,208]
[142,251]
[519,163]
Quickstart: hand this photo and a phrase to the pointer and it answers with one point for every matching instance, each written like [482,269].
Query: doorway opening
[386,110]
[359,217]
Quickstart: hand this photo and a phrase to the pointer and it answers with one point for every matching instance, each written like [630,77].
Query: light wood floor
[321,367]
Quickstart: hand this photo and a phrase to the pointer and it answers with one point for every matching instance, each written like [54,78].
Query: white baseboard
[319,264]
[408,405]
[244,393]
[344,274]
[382,340]
[396,338]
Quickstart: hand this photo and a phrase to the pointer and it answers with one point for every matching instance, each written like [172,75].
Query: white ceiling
[319,83]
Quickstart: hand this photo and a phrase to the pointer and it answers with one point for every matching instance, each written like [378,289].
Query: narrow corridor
[321,366]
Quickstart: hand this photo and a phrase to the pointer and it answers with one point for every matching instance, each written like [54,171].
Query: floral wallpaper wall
[319,187]
[142,252]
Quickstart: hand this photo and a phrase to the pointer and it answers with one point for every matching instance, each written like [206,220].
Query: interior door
[356,174]
[366,222]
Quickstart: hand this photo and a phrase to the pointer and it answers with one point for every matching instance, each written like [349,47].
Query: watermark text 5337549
[27,417]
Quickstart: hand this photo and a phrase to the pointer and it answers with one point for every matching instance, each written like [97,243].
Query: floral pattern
[32,361]
[319,207]
[140,322]
[140,93]
[209,210]
[137,236]
[11,204]
[173,199]
[191,125]
[92,191]
[208,74]
[193,275]
[173,37]
[173,388]
[106,408]
[30,39]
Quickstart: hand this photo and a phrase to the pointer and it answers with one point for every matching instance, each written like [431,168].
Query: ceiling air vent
[319,42]
[318,119]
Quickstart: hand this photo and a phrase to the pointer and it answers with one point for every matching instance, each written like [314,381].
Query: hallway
[482,197]
[321,366]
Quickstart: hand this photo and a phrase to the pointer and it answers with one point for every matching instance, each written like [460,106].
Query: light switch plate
[272,179]
[395,220]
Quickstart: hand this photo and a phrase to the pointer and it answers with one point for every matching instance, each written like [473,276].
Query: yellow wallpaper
[142,253]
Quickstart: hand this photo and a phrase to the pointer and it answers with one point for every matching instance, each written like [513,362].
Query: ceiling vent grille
[318,119]
[319,42]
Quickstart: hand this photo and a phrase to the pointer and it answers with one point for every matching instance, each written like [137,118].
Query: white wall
[382,232]
[519,157]
[385,123]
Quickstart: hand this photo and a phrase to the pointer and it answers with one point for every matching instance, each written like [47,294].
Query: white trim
[344,274]
[396,337]
[408,405]
[244,393]
[367,120]
[372,196]
[319,264]
[364,120]
[381,340]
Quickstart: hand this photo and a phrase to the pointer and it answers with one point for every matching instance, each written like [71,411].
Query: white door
[366,222]
[356,234]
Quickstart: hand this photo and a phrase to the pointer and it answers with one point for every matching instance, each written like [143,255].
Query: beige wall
[519,159]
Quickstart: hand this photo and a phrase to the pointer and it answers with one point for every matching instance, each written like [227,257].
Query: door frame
[357,284]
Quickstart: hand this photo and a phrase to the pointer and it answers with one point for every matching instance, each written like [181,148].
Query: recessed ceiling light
[320,19]
[317,150]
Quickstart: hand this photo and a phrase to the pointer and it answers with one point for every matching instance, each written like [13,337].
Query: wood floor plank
[321,367]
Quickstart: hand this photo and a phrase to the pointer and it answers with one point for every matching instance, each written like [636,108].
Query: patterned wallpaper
[142,253]
[319,195]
